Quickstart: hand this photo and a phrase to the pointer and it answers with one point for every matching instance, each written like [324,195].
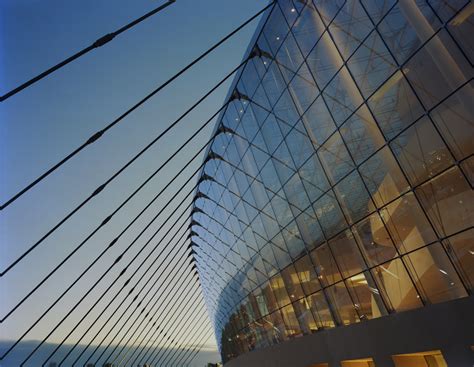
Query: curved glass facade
[338,188]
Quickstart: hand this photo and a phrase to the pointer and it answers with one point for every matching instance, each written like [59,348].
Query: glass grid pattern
[341,185]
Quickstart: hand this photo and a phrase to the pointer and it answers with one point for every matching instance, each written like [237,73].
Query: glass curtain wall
[338,188]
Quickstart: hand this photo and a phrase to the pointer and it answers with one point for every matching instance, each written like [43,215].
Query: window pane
[353,197]
[454,119]
[291,322]
[279,290]
[374,240]
[307,274]
[350,26]
[342,96]
[279,327]
[460,249]
[449,202]
[324,60]
[395,106]
[371,65]
[325,265]
[270,301]
[361,135]
[292,283]
[335,158]
[421,152]
[406,27]
[318,122]
[308,30]
[347,254]
[342,303]
[319,306]
[407,224]
[383,177]
[366,296]
[438,69]
[304,316]
[434,274]
[396,286]
[467,167]
[329,214]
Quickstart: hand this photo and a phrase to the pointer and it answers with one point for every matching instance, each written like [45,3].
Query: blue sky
[45,122]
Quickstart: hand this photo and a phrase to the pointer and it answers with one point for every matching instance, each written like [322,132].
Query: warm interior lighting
[363,362]
[432,358]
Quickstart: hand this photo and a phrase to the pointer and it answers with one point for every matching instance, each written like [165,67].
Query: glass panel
[395,106]
[320,309]
[342,303]
[307,275]
[270,301]
[374,240]
[308,29]
[366,296]
[289,58]
[438,69]
[342,96]
[383,177]
[406,27]
[455,122]
[462,26]
[303,89]
[335,158]
[467,167]
[396,286]
[421,152]
[300,147]
[324,60]
[361,135]
[371,65]
[329,214]
[353,197]
[460,249]
[291,322]
[434,275]
[292,283]
[314,178]
[279,290]
[377,9]
[304,316]
[309,228]
[347,254]
[318,122]
[350,26]
[449,202]
[279,330]
[325,265]
[407,224]
[276,29]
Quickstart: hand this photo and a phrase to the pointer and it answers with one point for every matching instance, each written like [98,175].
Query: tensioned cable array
[101,132]
[150,279]
[98,43]
[126,321]
[116,279]
[112,299]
